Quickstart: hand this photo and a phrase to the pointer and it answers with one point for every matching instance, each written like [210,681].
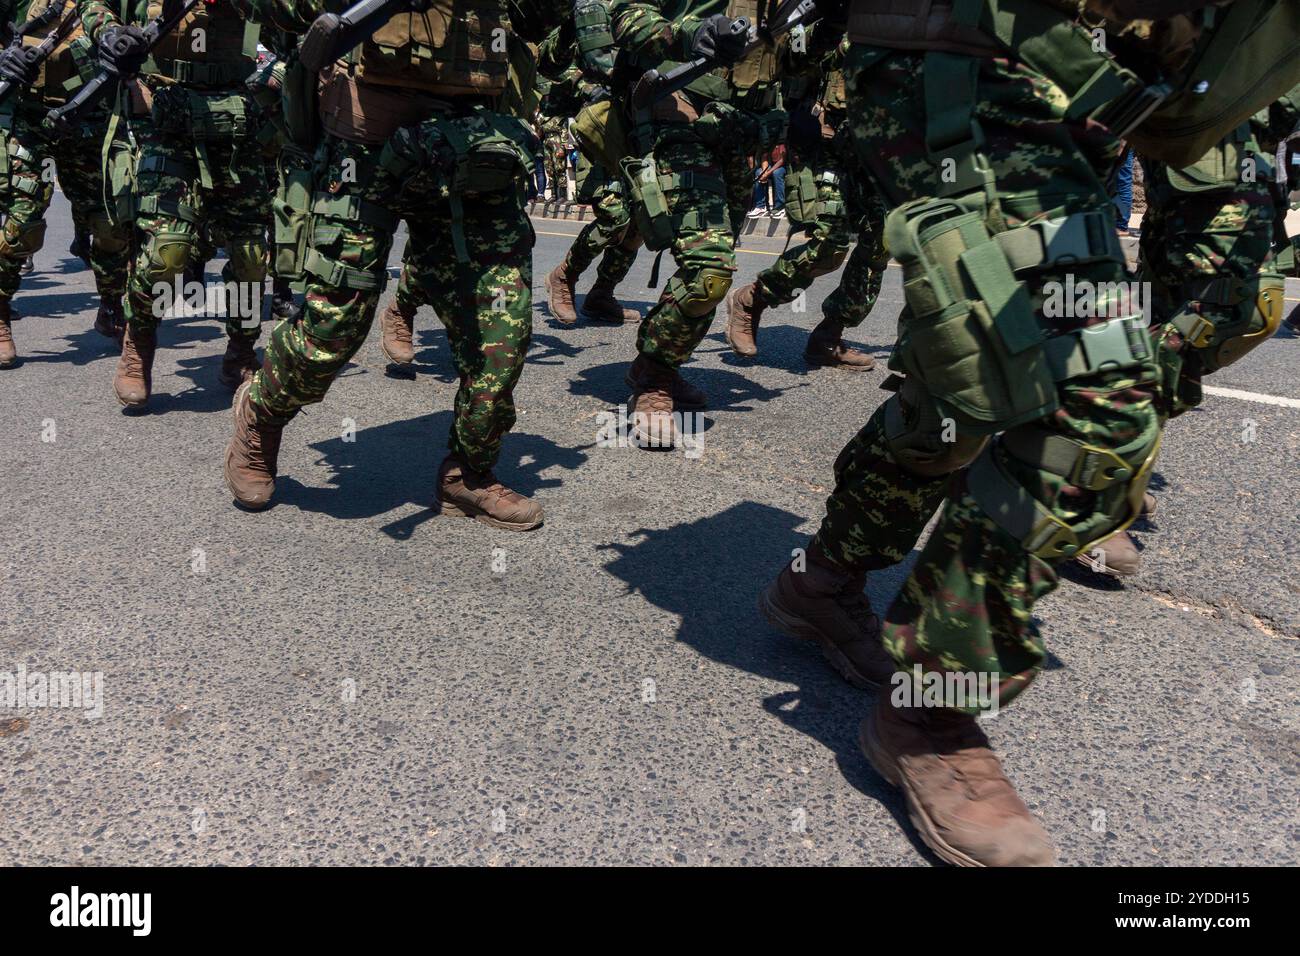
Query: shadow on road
[389,466]
[728,391]
[709,573]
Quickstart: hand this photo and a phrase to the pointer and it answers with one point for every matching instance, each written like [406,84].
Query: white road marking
[1251,396]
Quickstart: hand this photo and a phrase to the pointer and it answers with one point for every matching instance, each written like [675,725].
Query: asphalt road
[351,678]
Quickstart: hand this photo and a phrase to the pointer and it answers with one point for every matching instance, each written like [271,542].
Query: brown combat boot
[1149,504]
[239,364]
[8,353]
[600,305]
[559,293]
[744,310]
[397,325]
[826,349]
[1117,556]
[473,494]
[650,408]
[685,395]
[957,795]
[110,321]
[252,455]
[827,605]
[134,378]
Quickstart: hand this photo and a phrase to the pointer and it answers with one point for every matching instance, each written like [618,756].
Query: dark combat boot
[957,795]
[283,305]
[134,378]
[480,495]
[110,321]
[650,408]
[1293,320]
[824,604]
[600,305]
[8,352]
[826,349]
[559,293]
[744,311]
[239,364]
[396,326]
[252,454]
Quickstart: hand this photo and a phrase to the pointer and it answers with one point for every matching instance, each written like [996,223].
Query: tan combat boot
[8,353]
[600,305]
[827,605]
[134,378]
[957,795]
[252,455]
[650,408]
[826,349]
[559,293]
[685,395]
[396,326]
[239,364]
[744,310]
[1117,556]
[473,494]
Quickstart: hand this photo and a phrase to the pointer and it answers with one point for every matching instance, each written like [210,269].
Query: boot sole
[819,363]
[551,308]
[1109,571]
[887,767]
[798,628]
[393,358]
[734,347]
[452,510]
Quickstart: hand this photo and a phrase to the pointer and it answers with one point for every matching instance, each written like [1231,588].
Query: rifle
[36,55]
[332,35]
[654,86]
[173,12]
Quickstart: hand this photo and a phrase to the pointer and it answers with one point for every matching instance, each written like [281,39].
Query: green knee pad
[702,294]
[1225,318]
[20,240]
[921,439]
[167,254]
[247,259]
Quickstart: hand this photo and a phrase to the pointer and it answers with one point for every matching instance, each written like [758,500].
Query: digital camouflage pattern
[554,154]
[967,605]
[76,162]
[485,303]
[609,235]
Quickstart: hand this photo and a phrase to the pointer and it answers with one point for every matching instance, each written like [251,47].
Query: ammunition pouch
[1225,318]
[20,240]
[600,133]
[291,215]
[119,179]
[200,117]
[804,205]
[654,216]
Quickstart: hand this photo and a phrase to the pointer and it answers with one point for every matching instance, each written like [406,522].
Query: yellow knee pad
[702,295]
[247,259]
[167,254]
[20,240]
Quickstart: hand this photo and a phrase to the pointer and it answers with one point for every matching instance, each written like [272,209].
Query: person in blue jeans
[1122,196]
[770,171]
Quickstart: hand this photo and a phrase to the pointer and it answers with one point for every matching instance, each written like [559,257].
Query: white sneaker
[779,214]
[756,212]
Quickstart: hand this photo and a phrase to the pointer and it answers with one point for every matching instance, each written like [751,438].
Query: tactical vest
[834,95]
[759,68]
[455,48]
[212,46]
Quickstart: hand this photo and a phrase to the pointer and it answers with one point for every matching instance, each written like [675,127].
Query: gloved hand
[16,68]
[714,40]
[123,50]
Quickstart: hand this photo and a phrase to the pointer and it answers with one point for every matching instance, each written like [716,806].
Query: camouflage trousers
[485,301]
[611,231]
[839,215]
[707,209]
[555,163]
[192,197]
[967,606]
[76,161]
[1187,239]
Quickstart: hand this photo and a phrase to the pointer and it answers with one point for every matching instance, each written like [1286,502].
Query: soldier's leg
[699,206]
[828,237]
[31,187]
[855,296]
[81,178]
[397,322]
[1034,496]
[485,301]
[619,242]
[347,266]
[168,220]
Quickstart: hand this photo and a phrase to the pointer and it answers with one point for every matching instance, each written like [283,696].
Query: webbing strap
[1071,240]
[156,163]
[343,276]
[206,74]
[1082,465]
[153,205]
[691,179]
[354,208]
[1013,509]
[1111,346]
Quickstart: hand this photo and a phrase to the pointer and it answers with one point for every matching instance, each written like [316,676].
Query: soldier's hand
[16,67]
[715,39]
[123,50]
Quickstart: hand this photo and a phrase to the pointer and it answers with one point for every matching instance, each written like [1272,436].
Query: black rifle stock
[654,86]
[173,12]
[332,35]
